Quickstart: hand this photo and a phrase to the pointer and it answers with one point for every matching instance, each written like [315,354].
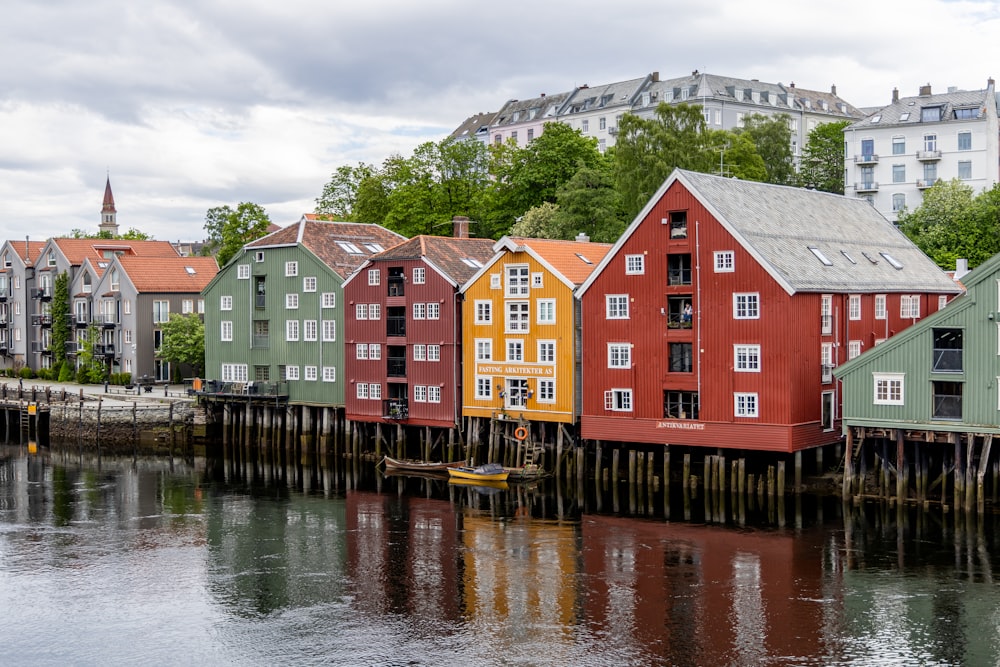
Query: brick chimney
[460,227]
[925,90]
[833,89]
[895,95]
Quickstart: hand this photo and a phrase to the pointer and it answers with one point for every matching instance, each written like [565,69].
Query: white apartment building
[900,150]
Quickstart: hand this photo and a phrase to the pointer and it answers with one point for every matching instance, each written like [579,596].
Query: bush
[66,373]
[26,373]
[44,373]
[82,376]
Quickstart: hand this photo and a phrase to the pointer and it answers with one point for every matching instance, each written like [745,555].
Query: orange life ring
[521,433]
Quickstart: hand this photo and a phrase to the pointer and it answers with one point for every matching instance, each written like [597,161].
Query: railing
[396,368]
[396,287]
[866,186]
[81,322]
[3,296]
[395,408]
[106,321]
[865,159]
[104,350]
[679,276]
[259,300]
[923,185]
[256,388]
[679,320]
[929,156]
[41,320]
[41,293]
[396,326]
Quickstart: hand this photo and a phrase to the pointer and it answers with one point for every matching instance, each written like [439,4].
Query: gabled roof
[569,261]
[33,248]
[343,246]
[593,98]
[474,126]
[75,250]
[906,111]
[169,274]
[536,109]
[457,259]
[809,241]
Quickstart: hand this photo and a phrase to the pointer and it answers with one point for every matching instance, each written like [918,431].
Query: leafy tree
[590,203]
[773,138]
[229,230]
[132,233]
[649,149]
[538,222]
[952,223]
[340,194]
[822,164]
[738,156]
[89,366]
[61,329]
[184,341]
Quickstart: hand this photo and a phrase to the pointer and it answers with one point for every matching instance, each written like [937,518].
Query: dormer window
[52,258]
[930,114]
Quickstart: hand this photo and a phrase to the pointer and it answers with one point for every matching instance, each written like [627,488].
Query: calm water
[208,562]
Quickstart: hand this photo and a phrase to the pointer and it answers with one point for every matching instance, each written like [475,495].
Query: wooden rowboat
[406,465]
[488,472]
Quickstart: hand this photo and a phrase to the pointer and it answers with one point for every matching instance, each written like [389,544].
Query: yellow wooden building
[521,328]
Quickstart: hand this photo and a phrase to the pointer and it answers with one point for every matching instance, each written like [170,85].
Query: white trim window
[880,307]
[853,348]
[546,391]
[329,331]
[243,272]
[484,388]
[518,313]
[310,373]
[420,311]
[234,372]
[546,352]
[375,391]
[329,373]
[309,284]
[517,280]
[746,405]
[291,372]
[361,351]
[616,306]
[826,314]
[725,261]
[187,306]
[484,311]
[484,349]
[495,281]
[225,302]
[361,311]
[434,394]
[536,280]
[909,306]
[329,299]
[434,311]
[361,391]
[309,330]
[619,355]
[420,352]
[746,305]
[291,330]
[374,277]
[227,330]
[419,275]
[545,310]
[888,388]
[434,352]
[291,301]
[854,307]
[515,350]
[375,351]
[291,269]
[635,265]
[374,311]
[826,361]
[746,358]
[618,400]
[419,393]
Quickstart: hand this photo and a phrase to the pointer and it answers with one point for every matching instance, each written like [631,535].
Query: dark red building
[403,331]
[718,317]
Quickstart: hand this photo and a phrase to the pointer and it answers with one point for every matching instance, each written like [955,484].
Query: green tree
[590,204]
[229,230]
[184,341]
[132,233]
[773,138]
[649,149]
[89,365]
[822,166]
[538,222]
[737,156]
[61,329]
[340,194]
[953,223]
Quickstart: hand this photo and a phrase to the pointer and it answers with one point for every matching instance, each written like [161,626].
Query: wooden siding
[562,332]
[444,332]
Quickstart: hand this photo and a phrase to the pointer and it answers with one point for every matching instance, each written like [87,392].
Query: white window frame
[309,330]
[225,331]
[291,269]
[420,352]
[225,302]
[854,307]
[881,311]
[546,352]
[434,393]
[746,305]
[616,306]
[309,373]
[329,373]
[419,393]
[496,281]
[361,391]
[419,275]
[329,331]
[375,391]
[234,372]
[517,316]
[434,311]
[635,265]
[329,299]
[518,280]
[545,311]
[826,314]
[309,284]
[484,311]
[619,355]
[291,301]
[243,272]
[291,330]
[537,280]
[187,306]
[746,405]
[618,400]
[374,277]
[361,311]
[434,352]
[375,351]
[515,345]
[725,261]
[888,388]
[484,349]
[853,349]
[419,311]
[292,373]
[546,391]
[374,311]
[484,388]
[361,351]
[746,358]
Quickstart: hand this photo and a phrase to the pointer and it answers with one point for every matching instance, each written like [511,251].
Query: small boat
[485,487]
[525,473]
[406,465]
[488,472]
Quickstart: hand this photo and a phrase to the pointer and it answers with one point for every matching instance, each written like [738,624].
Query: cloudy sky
[191,104]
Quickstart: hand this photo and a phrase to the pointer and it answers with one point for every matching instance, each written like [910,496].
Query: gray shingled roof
[779,225]
[893,113]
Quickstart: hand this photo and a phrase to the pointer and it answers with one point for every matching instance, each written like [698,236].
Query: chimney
[27,251]
[895,95]
[791,85]
[990,82]
[582,238]
[925,90]
[656,76]
[961,268]
[833,89]
[460,227]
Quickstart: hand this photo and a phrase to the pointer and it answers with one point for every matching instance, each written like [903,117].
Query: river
[207,562]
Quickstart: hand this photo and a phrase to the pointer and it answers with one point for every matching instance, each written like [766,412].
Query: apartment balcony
[4,348]
[81,321]
[3,296]
[72,348]
[866,186]
[104,350]
[42,320]
[396,409]
[923,185]
[39,348]
[929,156]
[396,367]
[41,293]
[396,327]
[866,159]
[106,321]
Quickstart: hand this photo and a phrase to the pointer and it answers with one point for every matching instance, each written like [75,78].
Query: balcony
[265,390]
[396,286]
[866,186]
[106,321]
[4,348]
[3,296]
[43,320]
[396,367]
[929,156]
[865,159]
[41,293]
[396,327]
[72,347]
[924,184]
[396,409]
[104,350]
[81,321]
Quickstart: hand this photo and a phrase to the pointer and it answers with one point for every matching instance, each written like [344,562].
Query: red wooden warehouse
[403,331]
[718,317]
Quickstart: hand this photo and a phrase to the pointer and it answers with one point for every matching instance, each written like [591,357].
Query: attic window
[892,260]
[849,258]
[904,116]
[584,259]
[966,114]
[190,270]
[876,118]
[102,265]
[347,246]
[869,258]
[930,114]
[820,256]
[474,263]
[374,247]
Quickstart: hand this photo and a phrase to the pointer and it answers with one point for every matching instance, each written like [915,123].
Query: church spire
[108,213]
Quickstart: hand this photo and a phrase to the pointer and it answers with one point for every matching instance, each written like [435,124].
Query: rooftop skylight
[820,256]
[892,260]
[585,260]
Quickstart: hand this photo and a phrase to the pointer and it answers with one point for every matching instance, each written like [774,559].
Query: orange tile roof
[34,249]
[169,274]
[77,249]
[570,258]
